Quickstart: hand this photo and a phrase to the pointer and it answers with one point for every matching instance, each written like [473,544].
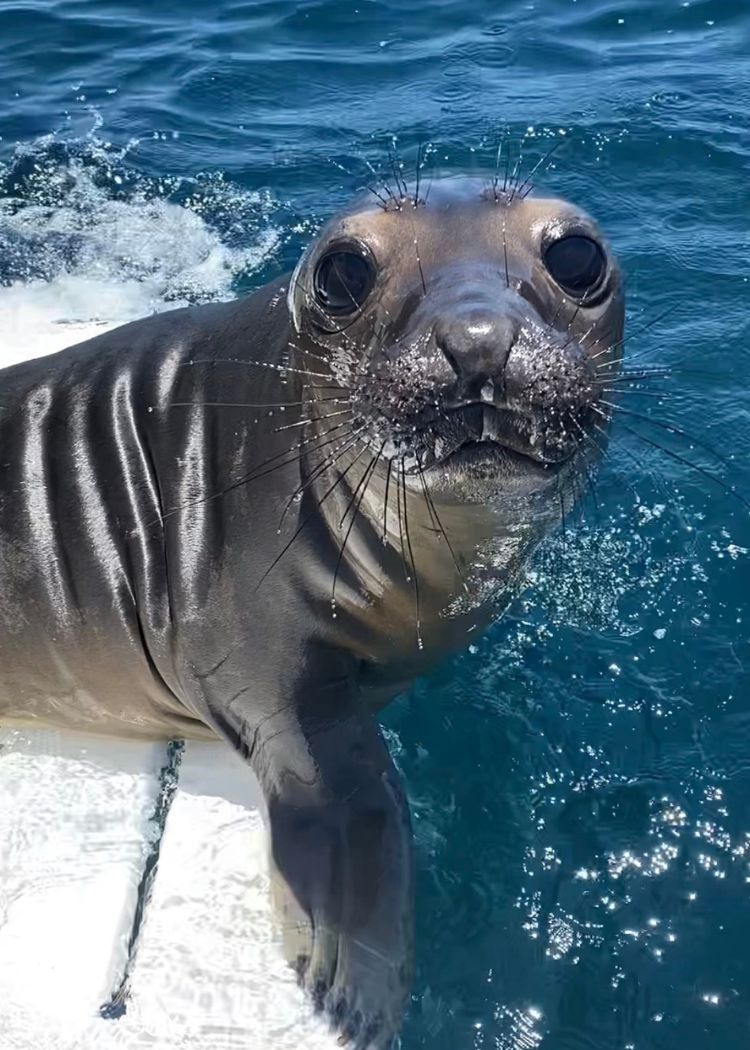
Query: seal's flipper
[342,851]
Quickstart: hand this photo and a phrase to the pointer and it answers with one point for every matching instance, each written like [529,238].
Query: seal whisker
[641,468]
[682,459]
[688,463]
[254,475]
[431,503]
[250,404]
[628,375]
[496,177]
[560,306]
[660,394]
[364,480]
[505,253]
[400,528]
[385,500]
[309,353]
[355,502]
[547,156]
[293,451]
[575,501]
[347,355]
[381,198]
[380,179]
[584,462]
[403,189]
[561,497]
[516,172]
[417,174]
[671,428]
[308,518]
[313,419]
[615,370]
[507,165]
[639,331]
[349,442]
[601,449]
[433,519]
[415,573]
[419,264]
[247,362]
[571,321]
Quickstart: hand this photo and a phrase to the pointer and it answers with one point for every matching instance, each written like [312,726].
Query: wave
[87,242]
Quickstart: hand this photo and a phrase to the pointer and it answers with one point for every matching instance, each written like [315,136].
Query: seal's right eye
[343,280]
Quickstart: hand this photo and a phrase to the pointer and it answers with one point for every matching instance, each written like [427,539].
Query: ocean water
[580,778]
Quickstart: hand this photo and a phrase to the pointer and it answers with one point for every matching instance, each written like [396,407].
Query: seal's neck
[430,569]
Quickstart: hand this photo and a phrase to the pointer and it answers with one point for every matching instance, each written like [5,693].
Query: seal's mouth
[481,434]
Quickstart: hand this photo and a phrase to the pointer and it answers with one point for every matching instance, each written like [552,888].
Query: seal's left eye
[577,264]
[343,280]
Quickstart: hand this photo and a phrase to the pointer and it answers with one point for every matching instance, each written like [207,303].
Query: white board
[76,827]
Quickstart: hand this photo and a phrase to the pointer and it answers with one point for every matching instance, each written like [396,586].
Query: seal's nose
[476,341]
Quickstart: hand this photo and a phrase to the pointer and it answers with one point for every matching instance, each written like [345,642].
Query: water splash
[85,240]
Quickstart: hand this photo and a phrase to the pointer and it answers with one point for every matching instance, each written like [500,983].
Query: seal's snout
[493,349]
[476,340]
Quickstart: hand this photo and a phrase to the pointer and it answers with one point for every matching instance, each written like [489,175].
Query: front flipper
[341,849]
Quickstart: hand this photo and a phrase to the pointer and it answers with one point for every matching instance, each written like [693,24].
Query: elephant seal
[262,518]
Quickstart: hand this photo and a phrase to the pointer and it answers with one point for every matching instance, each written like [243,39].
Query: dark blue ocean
[580,778]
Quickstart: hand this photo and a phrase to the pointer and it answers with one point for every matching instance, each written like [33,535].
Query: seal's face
[472,329]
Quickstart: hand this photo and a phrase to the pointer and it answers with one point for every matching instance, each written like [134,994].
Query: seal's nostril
[451,359]
[476,340]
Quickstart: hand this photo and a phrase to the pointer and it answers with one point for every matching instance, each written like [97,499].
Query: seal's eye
[577,264]
[343,280]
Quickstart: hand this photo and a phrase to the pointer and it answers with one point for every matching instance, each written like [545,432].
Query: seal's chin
[490,456]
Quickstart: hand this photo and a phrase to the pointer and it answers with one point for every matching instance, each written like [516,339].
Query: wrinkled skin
[179,559]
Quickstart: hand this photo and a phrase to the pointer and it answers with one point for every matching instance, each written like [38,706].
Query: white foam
[75,813]
[86,257]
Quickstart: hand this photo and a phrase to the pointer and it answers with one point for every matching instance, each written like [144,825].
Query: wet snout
[491,348]
[494,340]
[475,336]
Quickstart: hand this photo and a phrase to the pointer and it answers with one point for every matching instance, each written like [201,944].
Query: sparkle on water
[580,777]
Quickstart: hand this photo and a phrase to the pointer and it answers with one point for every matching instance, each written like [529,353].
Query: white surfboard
[77,827]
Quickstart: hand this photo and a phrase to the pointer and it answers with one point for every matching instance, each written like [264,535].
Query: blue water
[581,778]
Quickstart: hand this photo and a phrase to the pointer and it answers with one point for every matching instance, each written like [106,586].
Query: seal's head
[472,329]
